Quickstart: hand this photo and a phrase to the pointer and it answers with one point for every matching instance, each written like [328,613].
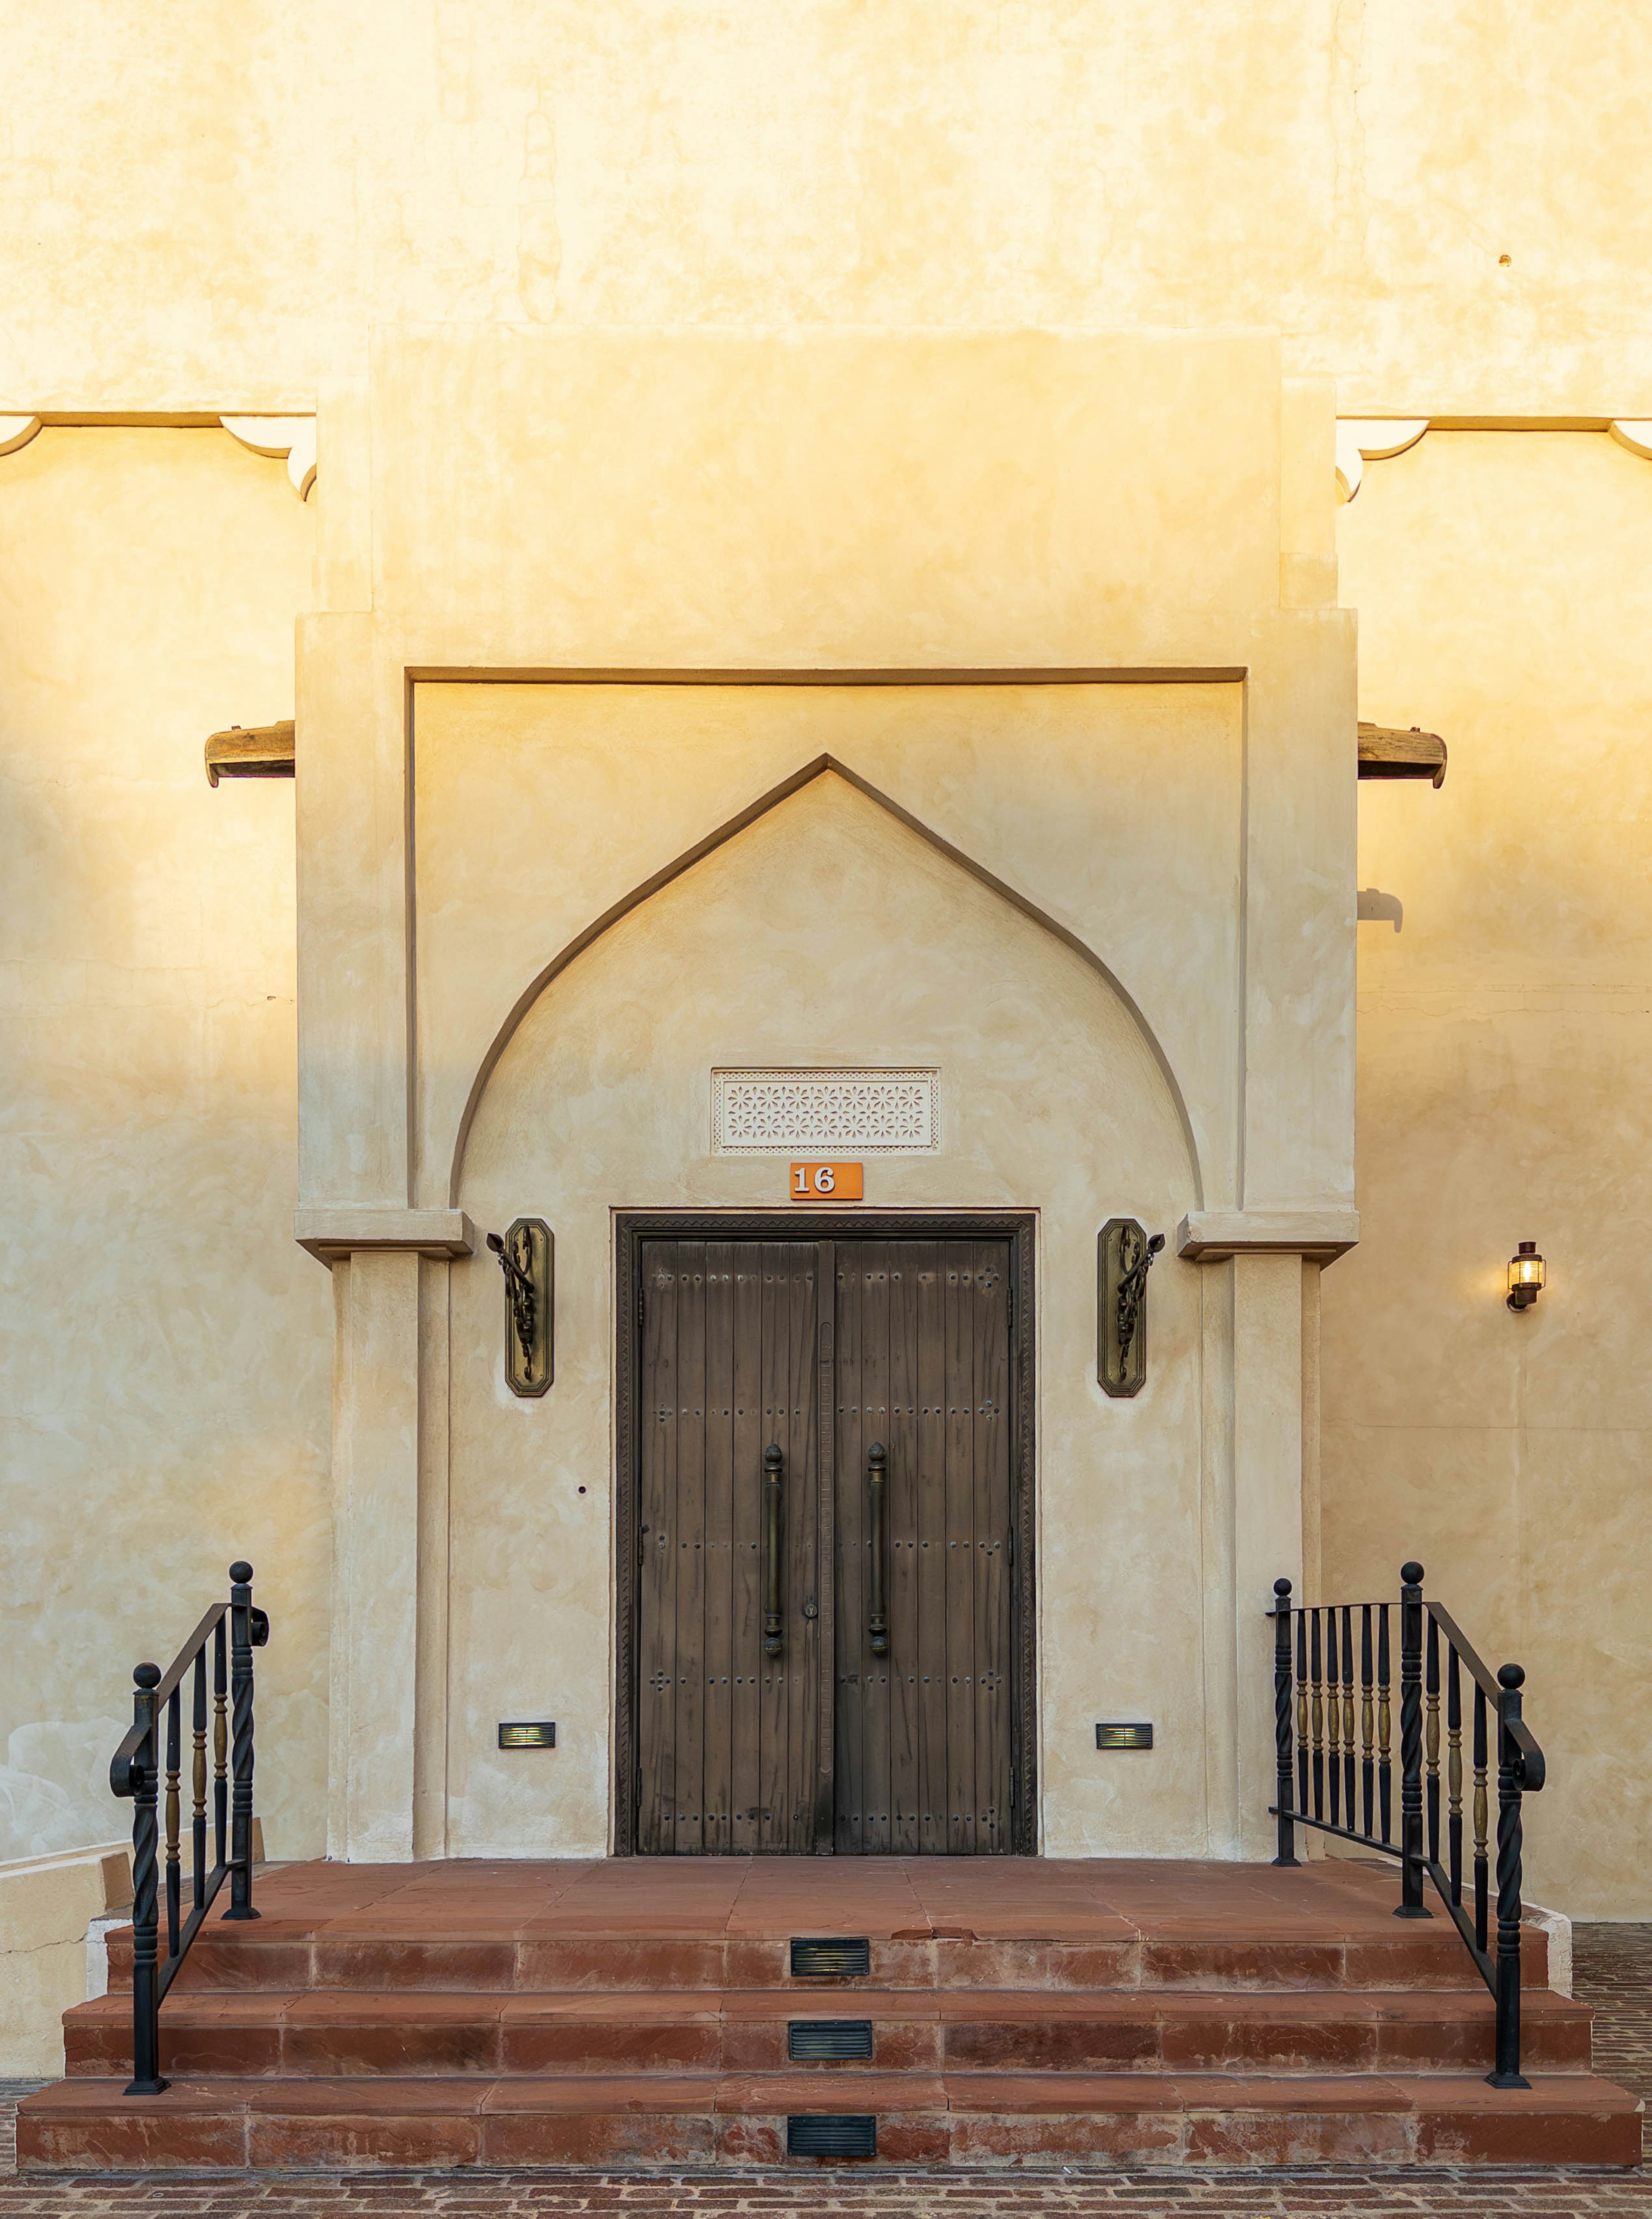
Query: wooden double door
[827,1598]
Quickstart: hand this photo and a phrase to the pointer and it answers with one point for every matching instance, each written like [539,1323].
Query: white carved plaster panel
[763,1113]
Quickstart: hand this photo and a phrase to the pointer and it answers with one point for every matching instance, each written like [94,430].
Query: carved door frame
[631,1228]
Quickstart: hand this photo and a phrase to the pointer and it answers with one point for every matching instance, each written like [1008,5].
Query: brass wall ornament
[527,1257]
[1124,1257]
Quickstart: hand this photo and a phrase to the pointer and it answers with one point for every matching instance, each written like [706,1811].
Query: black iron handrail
[135,1771]
[1322,1769]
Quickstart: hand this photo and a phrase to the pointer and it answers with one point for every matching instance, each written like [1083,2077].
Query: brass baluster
[220,1748]
[173,1876]
[198,1780]
[1367,1723]
[1348,1759]
[1482,1821]
[1316,1715]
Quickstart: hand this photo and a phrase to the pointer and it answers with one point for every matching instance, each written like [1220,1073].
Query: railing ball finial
[1282,1588]
[1412,1573]
[145,1675]
[240,1572]
[1511,1676]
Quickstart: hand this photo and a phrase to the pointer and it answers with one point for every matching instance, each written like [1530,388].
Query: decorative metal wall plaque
[527,1256]
[825,1113]
[1124,1256]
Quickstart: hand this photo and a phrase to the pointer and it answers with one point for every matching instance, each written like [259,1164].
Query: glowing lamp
[1525,1276]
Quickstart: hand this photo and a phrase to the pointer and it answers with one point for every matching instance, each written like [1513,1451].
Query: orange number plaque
[828,1183]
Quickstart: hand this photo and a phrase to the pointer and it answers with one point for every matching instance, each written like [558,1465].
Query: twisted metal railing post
[240,1695]
[1411,1904]
[146,1905]
[1510,1779]
[1284,1762]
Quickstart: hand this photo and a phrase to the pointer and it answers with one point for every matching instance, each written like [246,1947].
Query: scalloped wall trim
[1362,439]
[293,436]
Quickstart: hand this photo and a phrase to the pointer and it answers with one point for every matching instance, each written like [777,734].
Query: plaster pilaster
[375,1444]
[1267,1452]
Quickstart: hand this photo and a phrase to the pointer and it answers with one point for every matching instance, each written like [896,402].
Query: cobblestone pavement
[1612,1970]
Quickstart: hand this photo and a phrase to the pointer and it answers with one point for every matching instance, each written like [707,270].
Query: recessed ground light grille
[826,2134]
[841,1957]
[829,2037]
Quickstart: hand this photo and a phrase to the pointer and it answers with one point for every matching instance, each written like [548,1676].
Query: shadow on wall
[1376,907]
[55,1786]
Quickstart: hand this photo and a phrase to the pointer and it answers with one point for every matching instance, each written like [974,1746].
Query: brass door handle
[773,1589]
[878,1493]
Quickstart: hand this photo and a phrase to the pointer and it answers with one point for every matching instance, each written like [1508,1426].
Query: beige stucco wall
[205,212]
[1115,808]
[1505,590]
[827,932]
[818,339]
[166,1350]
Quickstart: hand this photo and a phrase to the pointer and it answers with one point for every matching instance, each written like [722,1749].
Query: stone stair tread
[1103,2119]
[256,2005]
[840,2092]
[1034,2013]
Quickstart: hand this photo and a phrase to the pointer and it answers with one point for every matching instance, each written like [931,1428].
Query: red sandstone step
[1016,2119]
[287,1956]
[337,2033]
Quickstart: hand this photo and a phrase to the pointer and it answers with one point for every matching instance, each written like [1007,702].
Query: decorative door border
[631,1228]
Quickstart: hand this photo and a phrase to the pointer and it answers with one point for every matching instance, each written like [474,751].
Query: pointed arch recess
[730,829]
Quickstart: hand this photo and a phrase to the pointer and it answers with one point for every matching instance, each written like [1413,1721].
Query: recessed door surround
[825,1538]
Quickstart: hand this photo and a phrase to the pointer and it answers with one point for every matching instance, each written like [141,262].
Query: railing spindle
[1316,1712]
[1333,1718]
[174,1876]
[1482,1819]
[1301,1711]
[1284,1766]
[1411,1904]
[219,1749]
[1348,1757]
[1384,1764]
[1433,1686]
[1367,1720]
[198,1778]
[1454,1768]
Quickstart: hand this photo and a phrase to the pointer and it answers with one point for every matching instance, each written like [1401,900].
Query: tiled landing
[1025,2013]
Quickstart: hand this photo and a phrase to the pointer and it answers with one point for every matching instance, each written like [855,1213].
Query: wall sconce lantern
[1525,1276]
